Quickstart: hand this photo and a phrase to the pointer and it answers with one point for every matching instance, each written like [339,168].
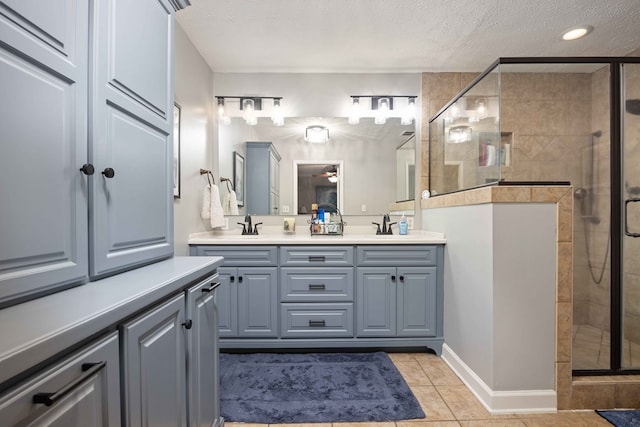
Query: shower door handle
[626,217]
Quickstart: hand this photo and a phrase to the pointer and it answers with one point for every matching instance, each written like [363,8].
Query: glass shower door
[631,218]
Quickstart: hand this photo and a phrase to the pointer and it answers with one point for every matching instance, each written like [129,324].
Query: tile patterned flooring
[591,347]
[447,402]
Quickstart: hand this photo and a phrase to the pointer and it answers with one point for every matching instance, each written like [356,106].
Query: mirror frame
[339,184]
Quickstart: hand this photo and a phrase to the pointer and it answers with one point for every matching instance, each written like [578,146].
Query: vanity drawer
[314,256]
[316,284]
[242,256]
[317,320]
[396,256]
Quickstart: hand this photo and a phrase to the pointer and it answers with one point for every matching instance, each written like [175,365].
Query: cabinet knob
[109,173]
[188,324]
[402,279]
[393,278]
[87,169]
[239,279]
[232,279]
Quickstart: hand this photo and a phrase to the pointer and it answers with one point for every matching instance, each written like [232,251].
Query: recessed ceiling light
[576,33]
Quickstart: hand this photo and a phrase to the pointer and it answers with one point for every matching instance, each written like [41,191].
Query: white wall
[193,91]
[499,300]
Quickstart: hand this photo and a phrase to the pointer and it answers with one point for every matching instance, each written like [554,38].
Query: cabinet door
[417,301]
[257,302]
[153,349]
[202,355]
[43,196]
[92,397]
[376,301]
[226,299]
[131,126]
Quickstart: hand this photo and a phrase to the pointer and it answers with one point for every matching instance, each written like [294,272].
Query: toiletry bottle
[403,226]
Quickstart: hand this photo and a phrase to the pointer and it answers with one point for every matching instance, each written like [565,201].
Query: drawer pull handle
[317,323]
[212,288]
[317,287]
[88,369]
[316,258]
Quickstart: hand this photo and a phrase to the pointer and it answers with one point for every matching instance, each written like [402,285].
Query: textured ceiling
[400,35]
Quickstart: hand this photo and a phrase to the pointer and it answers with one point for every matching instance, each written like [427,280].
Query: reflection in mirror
[406,169]
[319,183]
[367,152]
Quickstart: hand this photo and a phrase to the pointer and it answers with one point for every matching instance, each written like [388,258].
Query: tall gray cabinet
[262,178]
[85,158]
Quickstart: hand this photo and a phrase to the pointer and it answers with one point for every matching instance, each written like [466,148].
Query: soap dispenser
[403,225]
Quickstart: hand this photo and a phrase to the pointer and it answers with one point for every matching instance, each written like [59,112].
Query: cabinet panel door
[43,118]
[226,298]
[376,302]
[202,355]
[257,302]
[130,132]
[417,301]
[154,367]
[93,401]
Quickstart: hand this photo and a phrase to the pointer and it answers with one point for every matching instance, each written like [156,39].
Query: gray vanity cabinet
[154,376]
[91,377]
[202,355]
[396,301]
[86,157]
[43,195]
[131,134]
[247,299]
[262,179]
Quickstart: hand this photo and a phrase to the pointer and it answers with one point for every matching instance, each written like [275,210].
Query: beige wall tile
[627,395]
[563,385]
[478,196]
[548,194]
[510,194]
[564,328]
[588,396]
[564,285]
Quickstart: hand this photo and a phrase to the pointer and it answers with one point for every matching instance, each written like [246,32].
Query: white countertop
[355,235]
[36,330]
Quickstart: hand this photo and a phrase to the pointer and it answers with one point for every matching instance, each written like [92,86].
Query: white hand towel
[217,214]
[206,203]
[231,203]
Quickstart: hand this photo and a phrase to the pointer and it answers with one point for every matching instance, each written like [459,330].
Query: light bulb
[383,111]
[276,117]
[249,115]
[409,112]
[354,117]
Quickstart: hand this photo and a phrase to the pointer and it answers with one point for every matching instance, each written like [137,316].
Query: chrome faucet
[247,228]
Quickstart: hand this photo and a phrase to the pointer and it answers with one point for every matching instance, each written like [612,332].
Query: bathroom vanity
[300,291]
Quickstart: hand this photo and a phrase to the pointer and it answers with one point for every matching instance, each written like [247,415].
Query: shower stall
[563,120]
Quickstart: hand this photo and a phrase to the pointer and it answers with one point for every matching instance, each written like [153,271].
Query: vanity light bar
[386,102]
[250,104]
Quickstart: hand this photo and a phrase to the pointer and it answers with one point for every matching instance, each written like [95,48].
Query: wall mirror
[376,163]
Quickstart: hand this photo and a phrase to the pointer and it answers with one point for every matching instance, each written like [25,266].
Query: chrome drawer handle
[317,287]
[88,369]
[316,258]
[317,323]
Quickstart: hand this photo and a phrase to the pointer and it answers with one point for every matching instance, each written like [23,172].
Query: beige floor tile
[438,371]
[462,403]
[427,424]
[365,424]
[231,424]
[565,419]
[412,372]
[510,422]
[434,407]
[401,357]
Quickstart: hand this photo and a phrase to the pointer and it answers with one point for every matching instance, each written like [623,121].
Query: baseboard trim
[500,402]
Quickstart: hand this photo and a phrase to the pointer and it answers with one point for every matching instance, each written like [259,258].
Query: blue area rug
[622,418]
[313,388]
